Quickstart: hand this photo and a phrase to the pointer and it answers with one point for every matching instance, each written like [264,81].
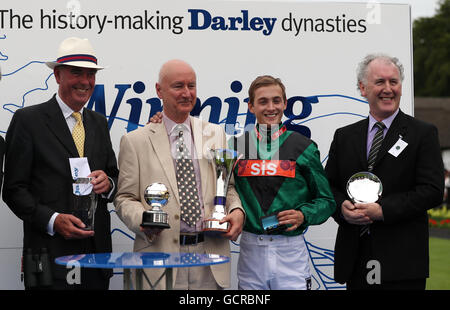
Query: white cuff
[50,229]
[113,186]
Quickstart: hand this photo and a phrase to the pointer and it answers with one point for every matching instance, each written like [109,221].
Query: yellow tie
[78,133]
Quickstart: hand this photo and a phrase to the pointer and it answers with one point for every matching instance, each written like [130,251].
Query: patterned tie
[187,185]
[376,144]
[78,133]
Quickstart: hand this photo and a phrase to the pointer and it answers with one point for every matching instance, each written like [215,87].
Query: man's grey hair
[364,65]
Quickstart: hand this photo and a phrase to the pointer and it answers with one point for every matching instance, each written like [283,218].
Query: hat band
[77,57]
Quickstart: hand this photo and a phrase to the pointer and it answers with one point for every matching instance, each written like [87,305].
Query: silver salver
[364,187]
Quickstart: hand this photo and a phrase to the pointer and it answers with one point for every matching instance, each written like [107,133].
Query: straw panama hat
[75,52]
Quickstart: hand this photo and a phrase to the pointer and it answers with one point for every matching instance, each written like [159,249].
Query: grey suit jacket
[145,158]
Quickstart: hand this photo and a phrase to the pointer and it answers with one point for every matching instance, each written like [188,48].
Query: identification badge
[398,147]
[258,167]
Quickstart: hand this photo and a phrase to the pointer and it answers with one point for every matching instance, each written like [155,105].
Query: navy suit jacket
[38,178]
[413,182]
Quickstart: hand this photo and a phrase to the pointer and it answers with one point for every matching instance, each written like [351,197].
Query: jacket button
[177,217]
[175,240]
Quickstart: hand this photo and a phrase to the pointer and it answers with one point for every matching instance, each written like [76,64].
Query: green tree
[431,43]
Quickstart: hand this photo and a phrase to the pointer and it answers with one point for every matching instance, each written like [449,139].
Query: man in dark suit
[391,251]
[2,153]
[38,179]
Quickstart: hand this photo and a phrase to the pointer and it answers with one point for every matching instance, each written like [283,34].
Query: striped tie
[78,133]
[376,144]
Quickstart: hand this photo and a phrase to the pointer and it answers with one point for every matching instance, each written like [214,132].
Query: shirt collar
[66,110]
[387,121]
[271,132]
[170,124]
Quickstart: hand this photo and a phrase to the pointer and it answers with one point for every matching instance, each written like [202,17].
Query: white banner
[314,48]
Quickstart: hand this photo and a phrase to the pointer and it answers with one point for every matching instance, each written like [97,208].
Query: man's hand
[156,118]
[372,210]
[353,215]
[293,217]
[236,219]
[100,181]
[151,233]
[68,226]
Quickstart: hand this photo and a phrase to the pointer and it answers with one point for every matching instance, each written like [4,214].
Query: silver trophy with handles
[224,161]
[156,196]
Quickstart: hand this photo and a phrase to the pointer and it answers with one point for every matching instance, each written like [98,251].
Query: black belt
[190,239]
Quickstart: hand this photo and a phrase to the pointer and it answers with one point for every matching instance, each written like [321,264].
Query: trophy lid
[156,193]
[223,154]
[224,157]
[364,187]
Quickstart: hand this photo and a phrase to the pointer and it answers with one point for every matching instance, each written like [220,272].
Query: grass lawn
[439,264]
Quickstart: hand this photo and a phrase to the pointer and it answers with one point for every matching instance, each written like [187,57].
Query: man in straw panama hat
[39,175]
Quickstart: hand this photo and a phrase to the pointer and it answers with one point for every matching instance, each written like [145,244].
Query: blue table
[141,260]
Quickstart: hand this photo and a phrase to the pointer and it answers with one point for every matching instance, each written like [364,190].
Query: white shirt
[190,144]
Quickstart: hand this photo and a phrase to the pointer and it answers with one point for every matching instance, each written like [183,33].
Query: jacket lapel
[90,133]
[159,140]
[359,141]
[203,143]
[398,128]
[58,126]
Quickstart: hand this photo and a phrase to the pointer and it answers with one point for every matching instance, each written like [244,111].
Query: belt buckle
[183,239]
[189,239]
